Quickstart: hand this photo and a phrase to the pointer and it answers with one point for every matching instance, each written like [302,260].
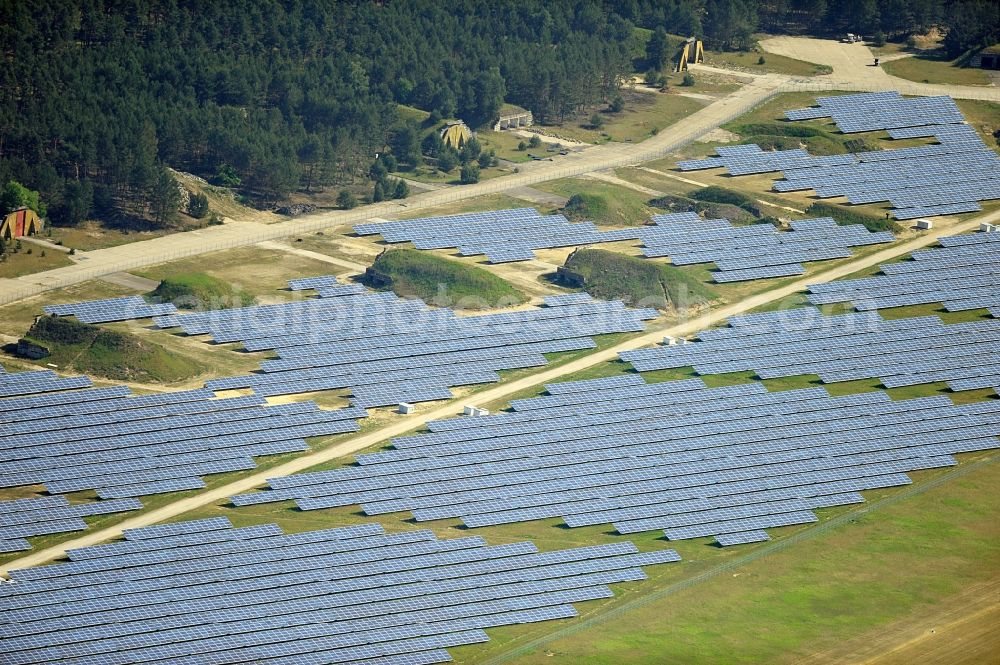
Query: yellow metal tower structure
[698,54]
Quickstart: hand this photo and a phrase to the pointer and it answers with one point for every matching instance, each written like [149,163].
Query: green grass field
[644,113]
[773,63]
[16,264]
[934,69]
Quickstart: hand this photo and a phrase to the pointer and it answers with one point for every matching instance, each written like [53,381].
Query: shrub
[761,60]
[617,104]
[534,141]
[522,146]
[447,160]
[346,200]
[469,174]
[596,121]
[198,205]
[688,80]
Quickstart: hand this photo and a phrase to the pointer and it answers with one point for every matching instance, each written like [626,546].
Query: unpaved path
[316,256]
[615,180]
[499,392]
[853,69]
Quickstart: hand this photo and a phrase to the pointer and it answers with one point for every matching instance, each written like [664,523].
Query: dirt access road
[503,391]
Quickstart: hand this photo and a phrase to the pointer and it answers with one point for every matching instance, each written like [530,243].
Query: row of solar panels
[502,235]
[388,350]
[948,178]
[651,457]
[204,592]
[962,277]
[753,252]
[897,352]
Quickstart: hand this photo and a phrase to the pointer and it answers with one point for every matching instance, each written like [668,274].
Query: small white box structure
[925,224]
[669,341]
[685,340]
[474,411]
[988,228]
[405,408]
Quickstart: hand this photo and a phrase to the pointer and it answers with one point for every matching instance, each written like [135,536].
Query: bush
[617,104]
[447,160]
[777,129]
[761,60]
[596,121]
[200,291]
[198,205]
[637,281]
[227,176]
[522,146]
[534,141]
[878,39]
[346,200]
[412,273]
[469,174]
[401,191]
[911,42]
[845,216]
[688,79]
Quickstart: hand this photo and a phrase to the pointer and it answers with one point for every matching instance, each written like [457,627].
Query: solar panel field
[746,476]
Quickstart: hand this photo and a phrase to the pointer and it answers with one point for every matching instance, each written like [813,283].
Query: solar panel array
[112,309]
[502,235]
[23,518]
[306,283]
[124,445]
[962,274]
[13,384]
[678,456]
[945,178]
[901,352]
[752,252]
[873,111]
[205,593]
[386,350]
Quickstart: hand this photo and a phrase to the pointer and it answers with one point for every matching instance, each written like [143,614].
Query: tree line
[98,97]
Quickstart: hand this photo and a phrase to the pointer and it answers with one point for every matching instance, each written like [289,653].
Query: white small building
[669,341]
[988,228]
[406,408]
[925,224]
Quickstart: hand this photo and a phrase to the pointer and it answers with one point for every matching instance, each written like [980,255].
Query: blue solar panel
[331,596]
